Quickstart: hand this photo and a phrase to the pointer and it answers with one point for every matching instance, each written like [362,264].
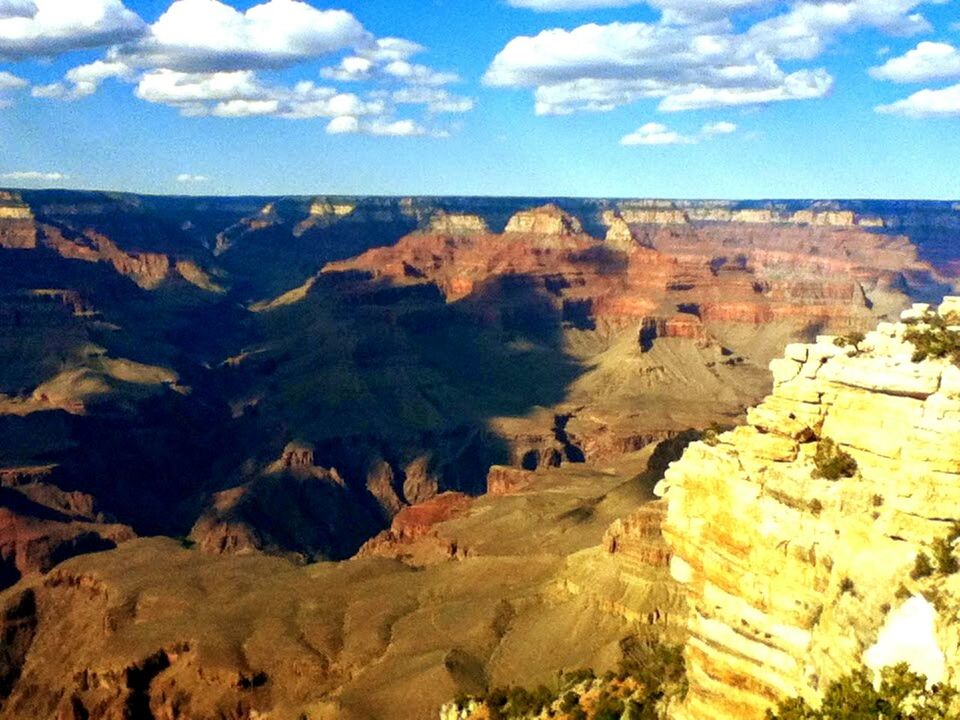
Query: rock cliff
[546,220]
[801,535]
[17,230]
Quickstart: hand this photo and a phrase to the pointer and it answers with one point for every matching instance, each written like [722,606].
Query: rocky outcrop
[443,223]
[42,525]
[147,269]
[793,567]
[647,216]
[682,325]
[416,522]
[548,220]
[17,229]
[505,480]
[291,507]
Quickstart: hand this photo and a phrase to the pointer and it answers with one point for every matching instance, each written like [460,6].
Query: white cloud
[82,81]
[808,28]
[927,61]
[204,58]
[17,8]
[563,5]
[35,176]
[436,101]
[210,36]
[926,104]
[389,49]
[656,134]
[694,57]
[718,128]
[347,124]
[241,94]
[9,81]
[801,85]
[601,67]
[388,60]
[674,10]
[59,26]
[188,178]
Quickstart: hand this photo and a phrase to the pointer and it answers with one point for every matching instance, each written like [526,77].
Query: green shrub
[853,339]
[831,462]
[816,507]
[608,707]
[902,695]
[934,340]
[847,586]
[922,567]
[943,555]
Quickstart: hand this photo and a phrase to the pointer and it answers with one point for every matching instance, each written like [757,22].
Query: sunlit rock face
[17,231]
[793,579]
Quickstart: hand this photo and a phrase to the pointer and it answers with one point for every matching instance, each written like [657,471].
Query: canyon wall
[794,579]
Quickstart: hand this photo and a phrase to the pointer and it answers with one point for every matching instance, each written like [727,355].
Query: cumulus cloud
[188,178]
[436,101]
[808,28]
[563,5]
[654,133]
[346,124]
[926,104]
[83,81]
[210,36]
[9,83]
[927,61]
[674,10]
[718,128]
[206,58]
[601,67]
[388,59]
[694,57]
[35,176]
[17,8]
[53,27]
[241,94]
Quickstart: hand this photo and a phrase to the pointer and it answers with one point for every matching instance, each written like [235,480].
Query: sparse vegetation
[901,695]
[816,507]
[831,462]
[922,567]
[851,340]
[847,587]
[647,673]
[934,339]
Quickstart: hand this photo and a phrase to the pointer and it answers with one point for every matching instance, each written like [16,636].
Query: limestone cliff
[16,223]
[546,220]
[443,223]
[794,579]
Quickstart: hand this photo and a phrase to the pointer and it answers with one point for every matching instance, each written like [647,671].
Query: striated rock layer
[790,576]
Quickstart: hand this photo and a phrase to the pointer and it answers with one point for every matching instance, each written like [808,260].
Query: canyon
[411,443]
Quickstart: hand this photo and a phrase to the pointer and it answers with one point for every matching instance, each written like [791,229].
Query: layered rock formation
[794,560]
[292,507]
[42,525]
[17,230]
[547,220]
[685,213]
[443,223]
[154,629]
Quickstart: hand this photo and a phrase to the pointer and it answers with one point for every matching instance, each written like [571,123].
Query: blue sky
[615,98]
